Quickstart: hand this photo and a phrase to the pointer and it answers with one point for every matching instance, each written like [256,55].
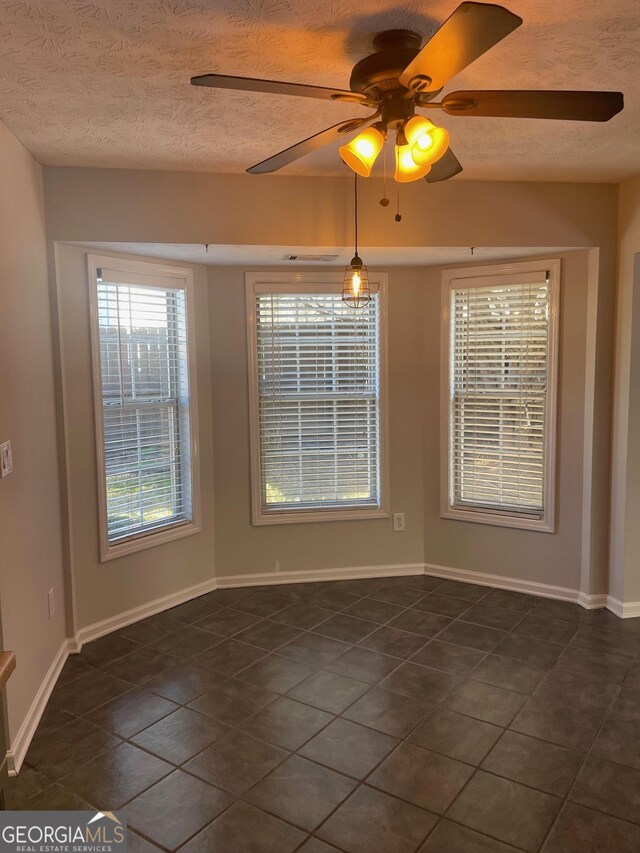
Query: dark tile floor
[372,716]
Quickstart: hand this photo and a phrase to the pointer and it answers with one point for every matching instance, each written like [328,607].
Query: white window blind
[318,406]
[499,376]
[142,332]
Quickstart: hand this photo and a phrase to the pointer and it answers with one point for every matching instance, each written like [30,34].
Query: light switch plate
[6,460]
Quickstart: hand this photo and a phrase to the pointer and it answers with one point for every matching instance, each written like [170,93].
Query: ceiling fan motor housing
[377,74]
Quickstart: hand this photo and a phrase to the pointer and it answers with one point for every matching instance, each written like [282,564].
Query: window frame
[486,276]
[330,282]
[181,278]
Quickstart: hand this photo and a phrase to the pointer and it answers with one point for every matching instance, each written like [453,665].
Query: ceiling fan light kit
[419,143]
[400,77]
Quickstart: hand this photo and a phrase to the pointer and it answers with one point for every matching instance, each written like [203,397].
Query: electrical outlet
[6,459]
[398,522]
[52,604]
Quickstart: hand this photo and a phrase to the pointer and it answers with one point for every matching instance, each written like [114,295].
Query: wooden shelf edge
[7,665]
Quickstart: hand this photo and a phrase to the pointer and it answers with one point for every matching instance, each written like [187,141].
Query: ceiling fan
[400,77]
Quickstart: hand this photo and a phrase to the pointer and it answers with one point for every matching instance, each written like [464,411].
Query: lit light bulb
[424,142]
[365,148]
[356,281]
[360,154]
[406,167]
[427,142]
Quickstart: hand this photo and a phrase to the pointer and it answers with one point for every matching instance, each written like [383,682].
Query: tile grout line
[583,763]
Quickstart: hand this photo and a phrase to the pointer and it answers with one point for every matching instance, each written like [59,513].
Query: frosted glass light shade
[407,169]
[360,154]
[428,142]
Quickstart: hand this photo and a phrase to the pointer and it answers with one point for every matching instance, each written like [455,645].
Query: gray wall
[114,205]
[31,561]
[273,210]
[625,539]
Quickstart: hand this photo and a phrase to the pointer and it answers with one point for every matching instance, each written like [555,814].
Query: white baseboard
[562,593]
[19,747]
[592,602]
[625,610]
[351,573]
[121,620]
[75,647]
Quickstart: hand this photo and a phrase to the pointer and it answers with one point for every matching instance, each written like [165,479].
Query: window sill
[309,516]
[147,540]
[497,519]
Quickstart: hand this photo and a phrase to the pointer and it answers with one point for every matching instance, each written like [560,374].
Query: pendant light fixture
[355,288]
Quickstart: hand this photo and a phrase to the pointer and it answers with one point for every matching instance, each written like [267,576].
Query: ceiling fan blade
[312,143]
[444,168]
[277,87]
[571,106]
[468,33]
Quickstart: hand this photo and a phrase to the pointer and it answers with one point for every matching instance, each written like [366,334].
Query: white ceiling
[106,82]
[275,255]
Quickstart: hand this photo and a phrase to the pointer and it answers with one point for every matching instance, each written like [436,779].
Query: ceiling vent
[318,258]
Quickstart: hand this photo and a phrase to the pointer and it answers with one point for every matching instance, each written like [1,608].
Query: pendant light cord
[355,208]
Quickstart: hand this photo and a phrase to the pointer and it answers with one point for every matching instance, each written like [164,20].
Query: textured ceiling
[106,82]
[196,253]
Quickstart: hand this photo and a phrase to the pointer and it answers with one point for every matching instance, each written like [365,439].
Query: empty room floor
[369,716]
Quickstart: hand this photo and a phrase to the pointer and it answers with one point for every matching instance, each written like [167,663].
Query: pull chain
[384,201]
[398,217]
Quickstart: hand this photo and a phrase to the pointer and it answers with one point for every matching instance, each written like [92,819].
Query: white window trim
[174,530]
[483,276]
[332,283]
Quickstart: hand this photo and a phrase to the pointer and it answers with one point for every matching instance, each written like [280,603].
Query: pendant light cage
[356,292]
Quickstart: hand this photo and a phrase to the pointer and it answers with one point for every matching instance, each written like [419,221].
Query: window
[499,351]
[144,411]
[317,400]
